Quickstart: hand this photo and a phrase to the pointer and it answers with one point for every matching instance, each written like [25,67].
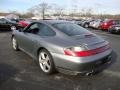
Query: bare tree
[82,12]
[42,8]
[14,12]
[86,12]
[59,11]
[89,12]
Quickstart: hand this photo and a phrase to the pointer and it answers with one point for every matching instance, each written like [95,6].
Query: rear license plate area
[103,61]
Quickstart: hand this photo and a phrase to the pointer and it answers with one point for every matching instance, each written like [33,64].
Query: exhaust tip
[89,73]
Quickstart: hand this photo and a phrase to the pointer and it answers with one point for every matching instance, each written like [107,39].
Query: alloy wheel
[14,43]
[44,62]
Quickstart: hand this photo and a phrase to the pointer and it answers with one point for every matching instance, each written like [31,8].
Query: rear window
[70,29]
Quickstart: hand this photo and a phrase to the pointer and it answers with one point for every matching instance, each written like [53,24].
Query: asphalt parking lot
[19,72]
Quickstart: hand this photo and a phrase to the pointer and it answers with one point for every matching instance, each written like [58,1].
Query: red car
[24,23]
[107,24]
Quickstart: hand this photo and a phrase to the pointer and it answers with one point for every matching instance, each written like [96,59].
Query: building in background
[12,16]
[9,16]
[2,15]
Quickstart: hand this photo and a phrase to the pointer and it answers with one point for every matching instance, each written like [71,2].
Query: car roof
[53,21]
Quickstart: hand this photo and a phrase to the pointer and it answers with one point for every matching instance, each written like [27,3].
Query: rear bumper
[104,27]
[91,64]
[91,67]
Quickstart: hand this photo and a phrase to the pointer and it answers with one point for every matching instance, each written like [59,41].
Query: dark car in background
[114,29]
[105,25]
[6,24]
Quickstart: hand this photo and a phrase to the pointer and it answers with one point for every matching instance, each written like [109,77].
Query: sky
[98,6]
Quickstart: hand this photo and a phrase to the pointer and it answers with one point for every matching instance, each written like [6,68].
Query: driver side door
[27,38]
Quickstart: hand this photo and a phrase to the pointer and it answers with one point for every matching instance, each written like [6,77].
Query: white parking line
[18,79]
[112,73]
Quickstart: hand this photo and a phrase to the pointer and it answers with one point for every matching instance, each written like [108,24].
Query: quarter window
[33,28]
[45,30]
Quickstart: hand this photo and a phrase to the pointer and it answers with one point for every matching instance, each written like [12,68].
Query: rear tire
[46,62]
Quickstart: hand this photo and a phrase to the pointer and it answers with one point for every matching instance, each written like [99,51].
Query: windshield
[70,29]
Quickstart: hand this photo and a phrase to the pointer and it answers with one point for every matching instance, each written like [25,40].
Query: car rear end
[82,51]
[93,55]
[107,24]
[104,25]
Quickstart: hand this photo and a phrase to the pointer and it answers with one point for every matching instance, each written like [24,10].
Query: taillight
[85,53]
[105,23]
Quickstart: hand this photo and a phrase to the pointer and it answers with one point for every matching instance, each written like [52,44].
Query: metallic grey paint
[31,43]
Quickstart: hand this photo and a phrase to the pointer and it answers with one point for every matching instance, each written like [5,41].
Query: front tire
[14,44]
[46,62]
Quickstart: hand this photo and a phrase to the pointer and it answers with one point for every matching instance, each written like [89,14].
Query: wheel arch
[39,49]
[12,36]
[53,70]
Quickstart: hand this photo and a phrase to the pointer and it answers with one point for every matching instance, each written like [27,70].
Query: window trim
[27,28]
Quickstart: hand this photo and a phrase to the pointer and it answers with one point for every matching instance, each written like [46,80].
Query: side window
[33,28]
[45,30]
[2,20]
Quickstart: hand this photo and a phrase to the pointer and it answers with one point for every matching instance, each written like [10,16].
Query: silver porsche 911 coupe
[62,46]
